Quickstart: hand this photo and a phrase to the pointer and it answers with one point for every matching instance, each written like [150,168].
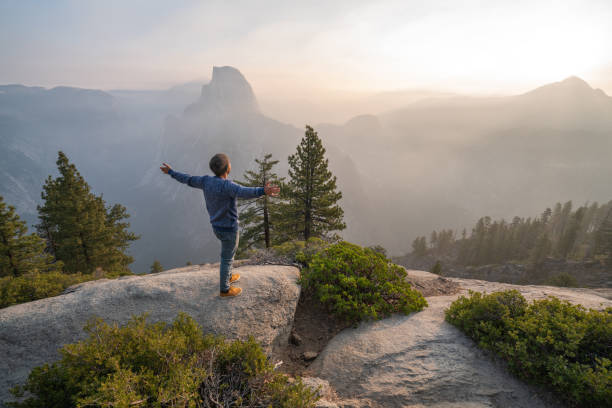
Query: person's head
[220,164]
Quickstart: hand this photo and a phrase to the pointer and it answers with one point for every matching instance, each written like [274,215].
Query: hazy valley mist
[437,162]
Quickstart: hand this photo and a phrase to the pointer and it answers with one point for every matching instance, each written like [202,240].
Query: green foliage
[419,246]
[300,251]
[156,267]
[583,233]
[35,285]
[290,252]
[358,283]
[603,239]
[437,268]
[549,342]
[563,280]
[310,198]
[258,217]
[79,229]
[160,365]
[380,249]
[21,253]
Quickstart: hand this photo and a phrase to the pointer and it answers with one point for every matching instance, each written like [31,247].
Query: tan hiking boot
[233,291]
[235,278]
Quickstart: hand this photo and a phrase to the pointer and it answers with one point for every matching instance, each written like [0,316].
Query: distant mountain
[165,101]
[228,93]
[435,163]
[501,156]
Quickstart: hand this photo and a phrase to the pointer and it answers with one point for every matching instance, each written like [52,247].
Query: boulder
[31,333]
[420,360]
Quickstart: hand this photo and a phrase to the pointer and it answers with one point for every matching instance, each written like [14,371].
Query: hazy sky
[483,46]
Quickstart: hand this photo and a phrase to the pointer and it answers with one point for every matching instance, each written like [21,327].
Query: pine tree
[541,249]
[311,197]
[80,231]
[419,247]
[603,240]
[433,239]
[156,267]
[19,252]
[570,232]
[258,216]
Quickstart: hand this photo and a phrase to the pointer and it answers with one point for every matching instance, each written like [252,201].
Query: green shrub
[358,283]
[159,365]
[437,268]
[549,341]
[564,280]
[288,252]
[35,285]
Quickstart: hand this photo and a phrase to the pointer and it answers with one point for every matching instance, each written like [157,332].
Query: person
[220,195]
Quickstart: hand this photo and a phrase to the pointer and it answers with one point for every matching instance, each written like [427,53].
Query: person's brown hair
[219,164]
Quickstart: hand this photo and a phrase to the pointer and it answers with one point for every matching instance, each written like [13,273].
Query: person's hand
[165,168]
[271,189]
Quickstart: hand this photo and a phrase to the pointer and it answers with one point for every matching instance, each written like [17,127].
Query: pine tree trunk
[10,257]
[307,221]
[308,215]
[266,223]
[87,260]
[51,242]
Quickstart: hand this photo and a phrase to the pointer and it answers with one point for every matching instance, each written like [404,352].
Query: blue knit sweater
[220,196]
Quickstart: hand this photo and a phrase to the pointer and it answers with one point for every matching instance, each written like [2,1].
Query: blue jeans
[229,244]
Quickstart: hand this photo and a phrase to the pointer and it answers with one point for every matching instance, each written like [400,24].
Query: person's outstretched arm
[236,190]
[191,181]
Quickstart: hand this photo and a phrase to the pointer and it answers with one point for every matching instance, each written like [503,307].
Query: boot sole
[230,296]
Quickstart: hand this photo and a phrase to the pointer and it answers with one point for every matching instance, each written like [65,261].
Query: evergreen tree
[541,249]
[80,231]
[19,252]
[603,242]
[419,247]
[258,216]
[437,268]
[570,232]
[311,197]
[156,267]
[433,239]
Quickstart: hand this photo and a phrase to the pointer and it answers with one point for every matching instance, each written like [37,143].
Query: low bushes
[35,285]
[549,342]
[160,365]
[289,252]
[358,283]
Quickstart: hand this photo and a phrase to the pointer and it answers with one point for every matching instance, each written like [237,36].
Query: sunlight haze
[310,48]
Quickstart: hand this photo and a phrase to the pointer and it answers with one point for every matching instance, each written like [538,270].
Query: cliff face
[228,92]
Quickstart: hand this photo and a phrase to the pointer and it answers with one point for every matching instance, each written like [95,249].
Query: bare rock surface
[31,333]
[419,360]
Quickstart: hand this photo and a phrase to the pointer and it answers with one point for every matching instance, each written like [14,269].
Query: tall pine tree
[80,231]
[603,240]
[311,208]
[258,216]
[21,252]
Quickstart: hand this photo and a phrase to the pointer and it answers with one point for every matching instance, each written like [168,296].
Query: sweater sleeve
[236,190]
[191,181]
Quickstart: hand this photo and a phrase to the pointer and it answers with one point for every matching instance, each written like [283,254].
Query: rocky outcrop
[227,92]
[31,333]
[419,360]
